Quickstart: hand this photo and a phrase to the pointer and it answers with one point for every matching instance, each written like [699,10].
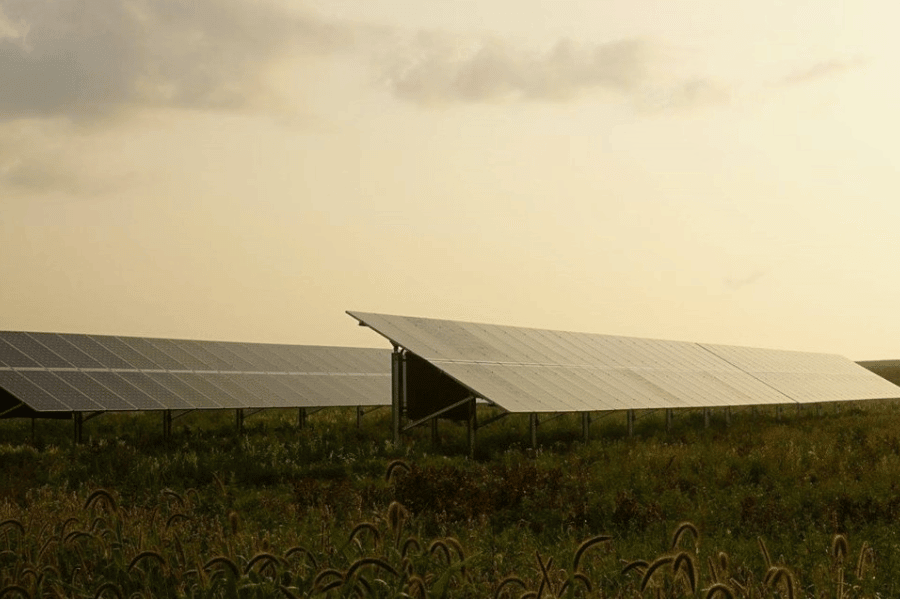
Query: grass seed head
[105,497]
[585,545]
[839,547]
[681,529]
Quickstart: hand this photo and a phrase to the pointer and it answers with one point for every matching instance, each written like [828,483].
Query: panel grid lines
[60,372]
[539,370]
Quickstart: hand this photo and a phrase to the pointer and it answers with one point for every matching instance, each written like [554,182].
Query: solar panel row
[71,372]
[537,370]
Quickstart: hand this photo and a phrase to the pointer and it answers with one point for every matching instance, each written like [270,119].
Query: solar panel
[98,352]
[59,389]
[34,350]
[152,353]
[73,372]
[60,346]
[537,370]
[14,358]
[36,397]
[91,388]
[125,352]
[808,377]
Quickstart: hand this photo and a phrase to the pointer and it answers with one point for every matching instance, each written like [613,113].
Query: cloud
[821,70]
[742,282]
[88,59]
[691,93]
[437,69]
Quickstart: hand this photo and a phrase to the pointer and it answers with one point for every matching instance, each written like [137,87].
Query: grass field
[798,505]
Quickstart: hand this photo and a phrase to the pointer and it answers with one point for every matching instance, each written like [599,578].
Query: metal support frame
[532,427]
[472,427]
[79,419]
[728,416]
[359,416]
[9,410]
[396,393]
[170,415]
[494,418]
[586,426]
[301,418]
[818,409]
[629,421]
[438,413]
[669,419]
[239,419]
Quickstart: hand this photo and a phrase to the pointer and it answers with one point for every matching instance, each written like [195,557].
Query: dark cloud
[439,69]
[86,59]
[821,70]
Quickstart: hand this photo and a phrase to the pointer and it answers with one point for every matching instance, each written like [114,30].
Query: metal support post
[301,418]
[778,412]
[532,426]
[239,419]
[78,421]
[799,409]
[396,392]
[629,421]
[728,416]
[359,416]
[586,426]
[167,423]
[706,418]
[669,417]
[472,427]
[818,409]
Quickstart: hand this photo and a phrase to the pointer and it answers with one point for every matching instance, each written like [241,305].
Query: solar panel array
[538,370]
[54,372]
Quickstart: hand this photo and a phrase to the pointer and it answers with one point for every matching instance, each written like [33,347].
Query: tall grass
[803,505]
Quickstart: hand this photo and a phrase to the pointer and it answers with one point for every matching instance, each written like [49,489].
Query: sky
[248,170]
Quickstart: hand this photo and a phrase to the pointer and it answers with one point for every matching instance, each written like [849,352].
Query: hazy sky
[703,170]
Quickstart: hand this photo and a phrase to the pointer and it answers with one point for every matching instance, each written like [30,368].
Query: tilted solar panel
[538,370]
[58,372]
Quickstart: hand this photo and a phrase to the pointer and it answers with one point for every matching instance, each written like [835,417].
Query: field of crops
[800,505]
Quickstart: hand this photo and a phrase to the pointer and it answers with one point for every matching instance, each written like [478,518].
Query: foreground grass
[798,506]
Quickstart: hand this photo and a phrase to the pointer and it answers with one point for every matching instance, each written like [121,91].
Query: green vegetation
[801,505]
